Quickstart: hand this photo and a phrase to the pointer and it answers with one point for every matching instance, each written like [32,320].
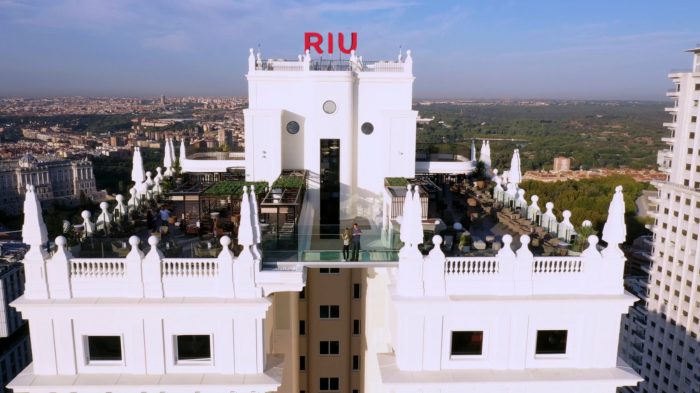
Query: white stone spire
[183,152]
[485,154]
[615,231]
[34,231]
[167,159]
[472,151]
[137,174]
[245,229]
[172,150]
[514,175]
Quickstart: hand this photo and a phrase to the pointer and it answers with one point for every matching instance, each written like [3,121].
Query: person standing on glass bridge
[346,236]
[356,233]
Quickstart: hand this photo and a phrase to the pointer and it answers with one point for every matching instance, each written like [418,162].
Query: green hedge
[233,187]
[396,181]
[289,182]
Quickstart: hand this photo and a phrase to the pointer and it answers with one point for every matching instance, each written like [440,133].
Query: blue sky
[614,49]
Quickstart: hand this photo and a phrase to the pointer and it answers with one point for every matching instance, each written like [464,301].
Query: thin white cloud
[178,41]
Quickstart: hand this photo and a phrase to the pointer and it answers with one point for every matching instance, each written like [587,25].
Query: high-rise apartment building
[669,352]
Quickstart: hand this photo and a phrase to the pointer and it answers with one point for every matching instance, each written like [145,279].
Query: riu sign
[315,41]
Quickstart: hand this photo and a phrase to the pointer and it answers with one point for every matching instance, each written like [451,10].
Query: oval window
[292,127]
[329,107]
[367,128]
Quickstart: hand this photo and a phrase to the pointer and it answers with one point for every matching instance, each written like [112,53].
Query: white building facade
[53,179]
[670,354]
[146,323]
[360,111]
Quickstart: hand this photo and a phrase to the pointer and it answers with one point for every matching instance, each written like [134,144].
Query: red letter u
[341,43]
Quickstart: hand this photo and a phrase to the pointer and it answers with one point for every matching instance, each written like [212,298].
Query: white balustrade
[92,268]
[554,265]
[190,267]
[471,266]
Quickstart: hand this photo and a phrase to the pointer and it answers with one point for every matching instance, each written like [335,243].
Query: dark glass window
[194,347]
[302,363]
[104,348]
[330,348]
[329,312]
[355,291]
[467,343]
[302,327]
[551,342]
[302,294]
[355,326]
[329,383]
[355,362]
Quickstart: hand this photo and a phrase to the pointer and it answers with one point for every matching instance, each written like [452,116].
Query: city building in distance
[54,179]
[661,337]
[329,145]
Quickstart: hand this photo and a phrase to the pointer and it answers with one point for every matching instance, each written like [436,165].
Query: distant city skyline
[491,50]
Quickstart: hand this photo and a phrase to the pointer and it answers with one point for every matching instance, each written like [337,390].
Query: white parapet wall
[508,305]
[145,303]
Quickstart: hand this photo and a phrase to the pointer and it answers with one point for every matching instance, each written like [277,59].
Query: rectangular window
[329,384]
[355,362]
[550,342]
[356,326]
[467,343]
[104,348]
[329,312]
[302,294]
[330,348]
[329,270]
[302,327]
[355,291]
[697,86]
[302,363]
[193,348]
[693,119]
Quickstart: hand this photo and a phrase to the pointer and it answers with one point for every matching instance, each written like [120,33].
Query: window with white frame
[551,342]
[193,349]
[467,343]
[104,349]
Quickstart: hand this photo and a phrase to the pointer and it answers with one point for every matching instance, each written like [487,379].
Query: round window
[292,127]
[329,107]
[367,128]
